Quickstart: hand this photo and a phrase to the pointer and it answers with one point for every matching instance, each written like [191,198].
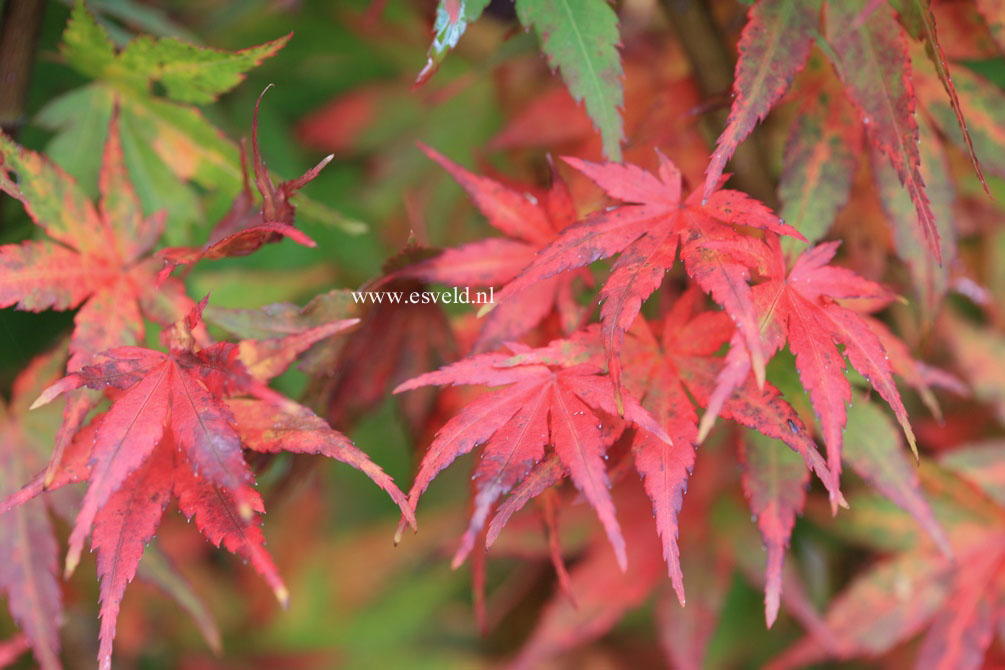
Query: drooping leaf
[820,159]
[774,480]
[930,278]
[246,228]
[774,46]
[665,468]
[979,99]
[872,60]
[920,22]
[122,529]
[873,448]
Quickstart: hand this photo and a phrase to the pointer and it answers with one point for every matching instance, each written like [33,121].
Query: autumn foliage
[774,287]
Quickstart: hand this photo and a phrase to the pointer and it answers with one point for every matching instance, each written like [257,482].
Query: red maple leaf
[774,46]
[685,359]
[799,306]
[530,222]
[658,372]
[246,228]
[540,406]
[176,427]
[647,235]
[96,259]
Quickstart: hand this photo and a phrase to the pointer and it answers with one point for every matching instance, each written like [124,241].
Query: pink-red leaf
[122,528]
[774,46]
[872,60]
[774,480]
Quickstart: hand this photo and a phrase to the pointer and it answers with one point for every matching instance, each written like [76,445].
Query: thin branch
[19,30]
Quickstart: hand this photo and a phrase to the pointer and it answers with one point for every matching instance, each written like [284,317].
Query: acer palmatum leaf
[930,279]
[537,407]
[660,373]
[580,39]
[979,98]
[170,431]
[774,46]
[774,481]
[265,428]
[919,376]
[666,374]
[871,58]
[799,306]
[647,234]
[246,228]
[94,258]
[530,220]
[122,529]
[874,449]
[920,23]
[542,477]
[821,155]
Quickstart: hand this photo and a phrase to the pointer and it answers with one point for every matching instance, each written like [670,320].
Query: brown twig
[19,30]
[713,70]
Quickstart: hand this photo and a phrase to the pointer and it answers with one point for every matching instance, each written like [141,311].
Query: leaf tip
[282,596]
[771,604]
[705,426]
[72,561]
[65,384]
[399,531]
